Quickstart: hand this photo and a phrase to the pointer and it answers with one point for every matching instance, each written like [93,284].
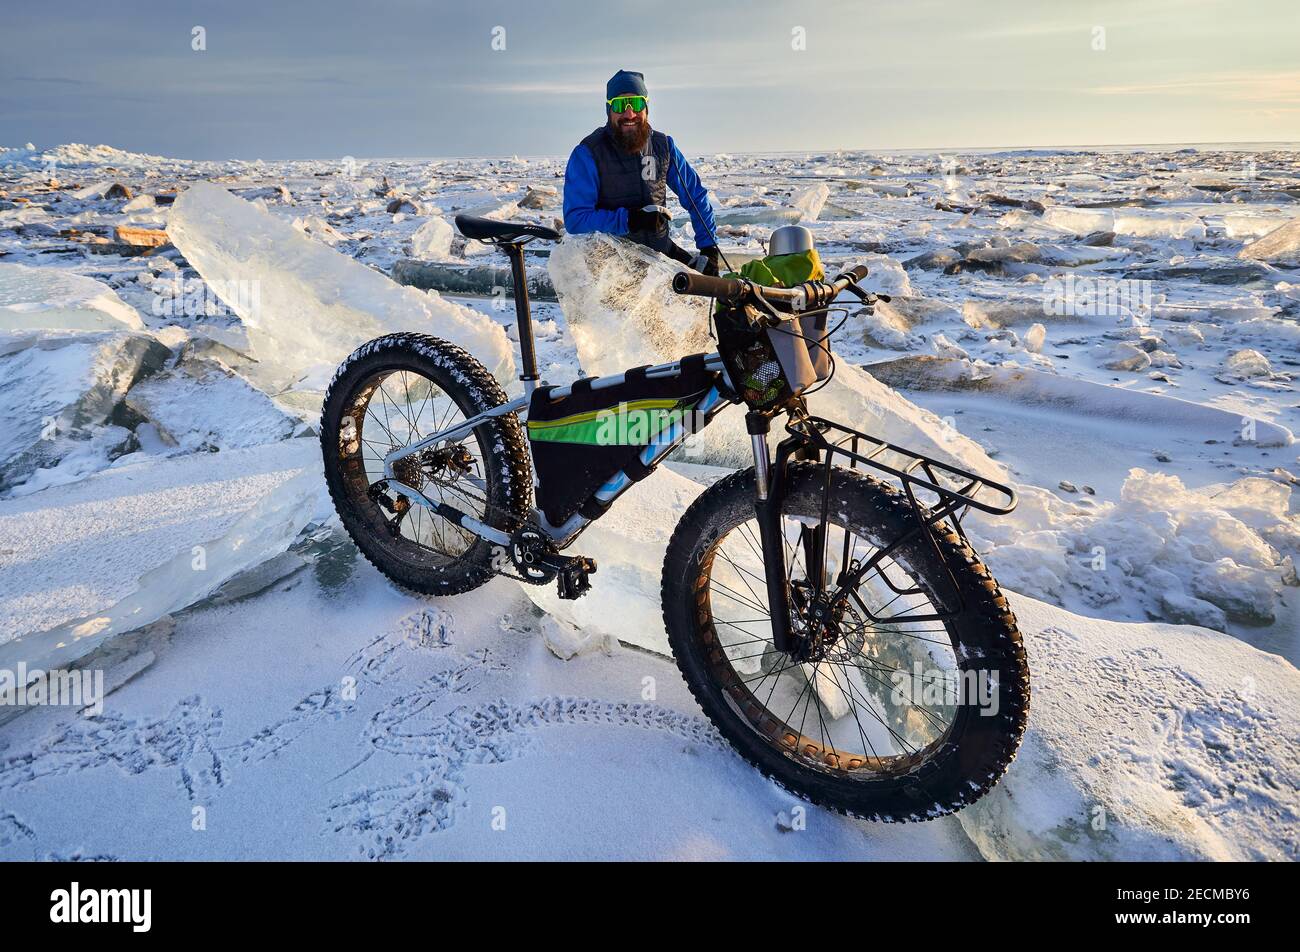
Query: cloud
[1263,87]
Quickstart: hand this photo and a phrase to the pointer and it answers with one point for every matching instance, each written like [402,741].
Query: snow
[402,729]
[1207,556]
[310,306]
[463,728]
[1146,742]
[1029,387]
[76,155]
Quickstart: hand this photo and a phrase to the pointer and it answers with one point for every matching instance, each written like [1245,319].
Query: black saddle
[485,229]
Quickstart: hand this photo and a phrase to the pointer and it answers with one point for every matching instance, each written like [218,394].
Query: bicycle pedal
[574,576]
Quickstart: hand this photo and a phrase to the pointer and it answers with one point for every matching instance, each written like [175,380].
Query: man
[616,179]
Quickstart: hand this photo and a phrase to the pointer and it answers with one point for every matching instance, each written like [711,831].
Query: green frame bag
[581,440]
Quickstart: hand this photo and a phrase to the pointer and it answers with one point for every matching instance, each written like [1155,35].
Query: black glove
[678,253]
[638,219]
[710,254]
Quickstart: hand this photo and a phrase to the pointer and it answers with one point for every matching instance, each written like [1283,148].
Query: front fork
[770,481]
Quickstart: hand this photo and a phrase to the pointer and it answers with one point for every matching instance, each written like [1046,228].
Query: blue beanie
[625,83]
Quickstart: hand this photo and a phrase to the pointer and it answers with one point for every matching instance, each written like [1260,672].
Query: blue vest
[632,181]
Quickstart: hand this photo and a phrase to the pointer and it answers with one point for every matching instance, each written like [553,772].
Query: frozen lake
[1116,330]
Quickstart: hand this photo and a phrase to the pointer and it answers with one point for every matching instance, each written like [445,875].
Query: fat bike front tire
[869,724]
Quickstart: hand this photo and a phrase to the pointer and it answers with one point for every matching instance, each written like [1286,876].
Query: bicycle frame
[663,444]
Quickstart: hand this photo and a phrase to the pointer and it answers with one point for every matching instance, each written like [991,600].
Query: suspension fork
[770,481]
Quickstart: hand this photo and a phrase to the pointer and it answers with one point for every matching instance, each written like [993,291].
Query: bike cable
[823,344]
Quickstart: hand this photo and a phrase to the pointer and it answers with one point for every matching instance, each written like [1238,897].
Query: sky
[401,78]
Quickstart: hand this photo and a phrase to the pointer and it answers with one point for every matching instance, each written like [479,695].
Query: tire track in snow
[428,724]
[390,817]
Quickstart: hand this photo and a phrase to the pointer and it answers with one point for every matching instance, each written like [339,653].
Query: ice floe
[55,299]
[307,306]
[123,548]
[61,395]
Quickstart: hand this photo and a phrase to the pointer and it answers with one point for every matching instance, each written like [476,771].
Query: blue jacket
[581,186]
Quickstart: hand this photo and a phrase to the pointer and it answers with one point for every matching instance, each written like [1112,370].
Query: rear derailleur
[398,506]
[537,561]
[441,466]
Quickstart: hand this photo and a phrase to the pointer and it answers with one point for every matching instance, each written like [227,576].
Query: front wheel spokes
[841,705]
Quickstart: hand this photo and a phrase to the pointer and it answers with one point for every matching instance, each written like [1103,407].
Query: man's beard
[634,140]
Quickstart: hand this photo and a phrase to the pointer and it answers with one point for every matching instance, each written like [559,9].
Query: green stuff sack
[784,271]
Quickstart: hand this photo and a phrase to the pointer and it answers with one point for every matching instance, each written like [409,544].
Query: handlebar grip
[857,273]
[724,289]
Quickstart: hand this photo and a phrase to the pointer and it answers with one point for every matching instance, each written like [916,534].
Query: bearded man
[617,177]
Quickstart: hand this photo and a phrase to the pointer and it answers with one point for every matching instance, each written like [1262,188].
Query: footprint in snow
[387,656]
[182,740]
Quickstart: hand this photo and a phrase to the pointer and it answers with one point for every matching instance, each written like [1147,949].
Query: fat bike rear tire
[391,392]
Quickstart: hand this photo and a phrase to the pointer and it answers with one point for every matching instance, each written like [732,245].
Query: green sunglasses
[620,103]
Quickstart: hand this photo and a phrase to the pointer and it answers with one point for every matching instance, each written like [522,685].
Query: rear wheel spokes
[403,408]
[852,701]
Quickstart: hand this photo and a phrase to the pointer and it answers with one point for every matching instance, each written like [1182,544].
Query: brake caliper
[816,623]
[451,462]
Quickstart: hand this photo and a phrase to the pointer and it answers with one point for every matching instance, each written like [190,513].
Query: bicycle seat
[485,229]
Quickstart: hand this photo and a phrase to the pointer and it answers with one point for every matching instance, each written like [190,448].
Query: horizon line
[910,150]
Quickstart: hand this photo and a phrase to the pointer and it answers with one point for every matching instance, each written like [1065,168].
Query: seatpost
[523,316]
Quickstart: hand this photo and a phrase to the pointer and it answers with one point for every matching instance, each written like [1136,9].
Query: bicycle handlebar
[734,290]
[702,285]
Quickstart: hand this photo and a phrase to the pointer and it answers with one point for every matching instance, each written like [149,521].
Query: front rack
[947,492]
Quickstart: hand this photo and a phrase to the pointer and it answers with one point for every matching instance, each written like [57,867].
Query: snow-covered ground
[1114,331]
